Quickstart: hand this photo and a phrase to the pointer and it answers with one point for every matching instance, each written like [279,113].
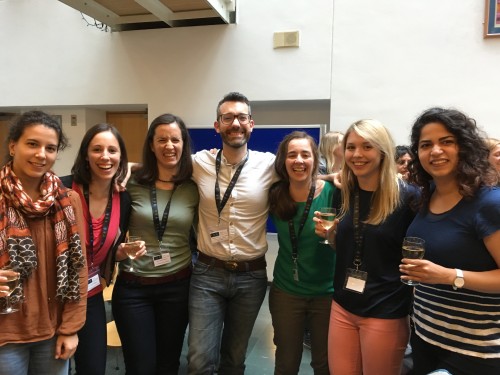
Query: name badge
[161,259]
[94,279]
[355,280]
[218,234]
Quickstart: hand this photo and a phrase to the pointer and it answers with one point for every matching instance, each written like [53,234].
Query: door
[133,127]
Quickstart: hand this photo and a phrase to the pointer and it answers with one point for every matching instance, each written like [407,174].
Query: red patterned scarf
[16,244]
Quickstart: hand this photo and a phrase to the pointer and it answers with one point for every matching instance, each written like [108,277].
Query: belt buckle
[231,265]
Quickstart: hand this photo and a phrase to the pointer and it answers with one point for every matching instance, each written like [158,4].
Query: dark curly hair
[473,169]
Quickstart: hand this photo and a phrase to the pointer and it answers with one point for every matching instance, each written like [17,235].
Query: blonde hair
[328,144]
[491,143]
[386,197]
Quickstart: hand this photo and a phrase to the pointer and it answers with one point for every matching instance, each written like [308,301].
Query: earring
[12,154]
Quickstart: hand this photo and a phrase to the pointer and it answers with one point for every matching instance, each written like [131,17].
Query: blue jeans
[90,356]
[151,321]
[289,314]
[32,358]
[223,306]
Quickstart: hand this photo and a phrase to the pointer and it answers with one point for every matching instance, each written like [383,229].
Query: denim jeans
[90,356]
[32,358]
[289,314]
[223,306]
[151,321]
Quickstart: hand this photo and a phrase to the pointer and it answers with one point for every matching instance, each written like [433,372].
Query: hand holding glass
[11,282]
[131,248]
[327,216]
[413,248]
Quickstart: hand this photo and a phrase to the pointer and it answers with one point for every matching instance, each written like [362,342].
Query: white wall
[387,59]
[393,59]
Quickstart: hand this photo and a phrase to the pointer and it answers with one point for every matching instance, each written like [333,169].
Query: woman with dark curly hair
[456,309]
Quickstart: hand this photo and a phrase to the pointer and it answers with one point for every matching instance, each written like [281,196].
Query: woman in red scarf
[40,222]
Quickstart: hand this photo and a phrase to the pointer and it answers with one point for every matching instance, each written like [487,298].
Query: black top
[385,296]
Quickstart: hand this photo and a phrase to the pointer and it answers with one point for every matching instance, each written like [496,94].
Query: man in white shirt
[229,280]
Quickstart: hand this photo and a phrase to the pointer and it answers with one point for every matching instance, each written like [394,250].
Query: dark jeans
[90,356]
[151,321]
[428,357]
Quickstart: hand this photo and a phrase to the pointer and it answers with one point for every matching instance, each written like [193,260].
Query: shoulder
[261,157]
[67,180]
[203,157]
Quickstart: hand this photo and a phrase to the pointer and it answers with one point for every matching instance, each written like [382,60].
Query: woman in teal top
[150,298]
[303,273]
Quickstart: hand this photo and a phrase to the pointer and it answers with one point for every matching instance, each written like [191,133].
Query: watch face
[459,282]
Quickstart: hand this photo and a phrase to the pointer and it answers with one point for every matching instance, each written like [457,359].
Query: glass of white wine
[131,248]
[327,215]
[12,282]
[413,248]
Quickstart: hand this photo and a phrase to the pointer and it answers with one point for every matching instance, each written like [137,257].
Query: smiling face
[167,146]
[299,160]
[34,153]
[103,156]
[438,151]
[235,135]
[363,159]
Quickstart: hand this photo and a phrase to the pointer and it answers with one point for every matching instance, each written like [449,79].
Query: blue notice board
[265,138]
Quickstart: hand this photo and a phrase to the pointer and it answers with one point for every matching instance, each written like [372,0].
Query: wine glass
[413,248]
[12,282]
[327,215]
[131,248]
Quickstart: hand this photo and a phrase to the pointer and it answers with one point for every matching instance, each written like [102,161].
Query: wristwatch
[459,280]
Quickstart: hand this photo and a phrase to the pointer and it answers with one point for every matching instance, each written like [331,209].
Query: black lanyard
[105,225]
[359,228]
[160,227]
[294,238]
[220,204]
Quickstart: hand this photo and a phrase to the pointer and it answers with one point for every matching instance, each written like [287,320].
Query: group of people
[64,236]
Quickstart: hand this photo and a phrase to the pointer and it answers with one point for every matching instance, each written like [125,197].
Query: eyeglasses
[228,118]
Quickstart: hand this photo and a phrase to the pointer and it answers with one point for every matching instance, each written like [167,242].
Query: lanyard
[105,225]
[294,238]
[359,228]
[160,227]
[220,204]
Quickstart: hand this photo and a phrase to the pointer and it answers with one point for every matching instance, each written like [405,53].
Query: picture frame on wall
[492,18]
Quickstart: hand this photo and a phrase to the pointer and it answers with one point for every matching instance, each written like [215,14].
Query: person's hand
[321,231]
[121,254]
[131,167]
[213,151]
[337,180]
[424,271]
[4,289]
[66,346]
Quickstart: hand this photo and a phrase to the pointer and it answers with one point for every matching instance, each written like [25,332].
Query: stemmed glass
[12,282]
[327,215]
[131,248]
[413,248]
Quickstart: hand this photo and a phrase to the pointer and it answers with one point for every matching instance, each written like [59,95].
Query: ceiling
[124,15]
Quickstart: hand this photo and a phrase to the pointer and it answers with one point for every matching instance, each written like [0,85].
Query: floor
[260,355]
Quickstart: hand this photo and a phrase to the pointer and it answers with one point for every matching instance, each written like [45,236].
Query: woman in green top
[303,273]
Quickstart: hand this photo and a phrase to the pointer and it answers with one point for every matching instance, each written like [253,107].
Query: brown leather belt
[141,280]
[234,266]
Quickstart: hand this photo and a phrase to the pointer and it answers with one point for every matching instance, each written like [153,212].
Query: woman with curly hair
[456,309]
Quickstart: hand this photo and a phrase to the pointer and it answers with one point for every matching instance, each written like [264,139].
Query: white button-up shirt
[245,214]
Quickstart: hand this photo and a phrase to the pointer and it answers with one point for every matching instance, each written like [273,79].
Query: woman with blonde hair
[369,325]
[331,152]
[493,145]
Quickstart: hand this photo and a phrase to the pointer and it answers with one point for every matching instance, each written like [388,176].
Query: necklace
[163,180]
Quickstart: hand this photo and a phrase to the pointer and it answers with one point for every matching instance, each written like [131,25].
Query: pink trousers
[368,346]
